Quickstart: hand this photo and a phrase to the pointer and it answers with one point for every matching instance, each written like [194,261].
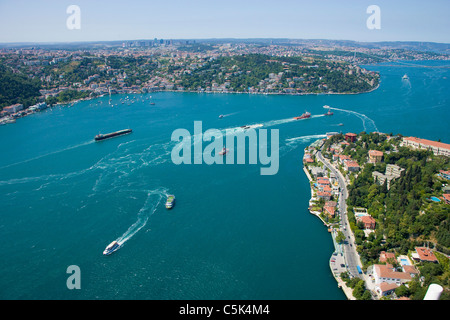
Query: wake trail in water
[128,158]
[49,154]
[154,198]
[363,118]
[230,114]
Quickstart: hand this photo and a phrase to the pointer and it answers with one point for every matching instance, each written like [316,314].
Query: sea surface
[233,233]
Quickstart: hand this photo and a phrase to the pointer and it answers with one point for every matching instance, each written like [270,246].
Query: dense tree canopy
[17,88]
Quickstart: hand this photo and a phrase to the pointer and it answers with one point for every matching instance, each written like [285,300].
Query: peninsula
[386,202]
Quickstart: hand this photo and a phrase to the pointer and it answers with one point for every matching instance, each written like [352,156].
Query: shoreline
[23,113]
[340,283]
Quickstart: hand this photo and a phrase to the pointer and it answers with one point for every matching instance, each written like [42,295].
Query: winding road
[349,247]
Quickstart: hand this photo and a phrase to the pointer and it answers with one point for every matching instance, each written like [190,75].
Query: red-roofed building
[13,108]
[375,156]
[411,270]
[385,288]
[351,165]
[330,210]
[425,254]
[369,222]
[331,203]
[323,180]
[324,195]
[384,256]
[446,197]
[350,137]
[386,273]
[438,148]
[343,158]
[445,174]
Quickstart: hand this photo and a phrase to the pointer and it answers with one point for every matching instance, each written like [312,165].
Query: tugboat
[224,151]
[170,201]
[113,246]
[303,116]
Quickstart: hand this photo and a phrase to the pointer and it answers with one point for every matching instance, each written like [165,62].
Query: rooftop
[436,144]
[426,254]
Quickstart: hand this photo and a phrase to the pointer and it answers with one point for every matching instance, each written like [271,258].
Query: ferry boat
[224,151]
[303,116]
[113,246]
[170,201]
[329,113]
[100,137]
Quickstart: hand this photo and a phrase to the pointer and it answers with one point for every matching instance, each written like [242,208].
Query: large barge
[100,137]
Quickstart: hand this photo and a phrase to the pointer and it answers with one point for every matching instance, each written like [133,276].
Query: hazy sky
[401,20]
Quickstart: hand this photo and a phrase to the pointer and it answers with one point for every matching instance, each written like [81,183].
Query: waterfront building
[13,108]
[438,148]
[329,210]
[324,195]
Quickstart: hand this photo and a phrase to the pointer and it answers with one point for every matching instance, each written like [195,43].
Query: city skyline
[46,21]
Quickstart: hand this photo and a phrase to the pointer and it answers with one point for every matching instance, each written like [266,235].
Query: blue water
[233,233]
[404,262]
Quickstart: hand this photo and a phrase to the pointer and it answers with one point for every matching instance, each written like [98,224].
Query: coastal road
[350,254]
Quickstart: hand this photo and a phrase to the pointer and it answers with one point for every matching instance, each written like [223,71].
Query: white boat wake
[154,198]
[365,119]
[296,140]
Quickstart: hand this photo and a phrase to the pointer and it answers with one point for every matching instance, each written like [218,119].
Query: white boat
[170,201]
[405,77]
[113,246]
[251,126]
